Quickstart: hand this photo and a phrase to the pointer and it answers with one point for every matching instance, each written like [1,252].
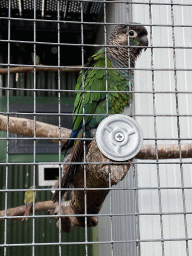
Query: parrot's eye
[132,34]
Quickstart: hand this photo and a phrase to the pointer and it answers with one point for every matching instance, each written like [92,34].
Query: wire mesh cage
[140,206]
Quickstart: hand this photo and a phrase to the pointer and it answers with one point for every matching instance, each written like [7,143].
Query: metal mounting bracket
[119,137]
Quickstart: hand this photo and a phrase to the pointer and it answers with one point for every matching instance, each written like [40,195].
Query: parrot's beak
[143,42]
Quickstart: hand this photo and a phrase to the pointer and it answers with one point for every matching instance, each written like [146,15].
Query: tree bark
[98,176]
[169,151]
[26,127]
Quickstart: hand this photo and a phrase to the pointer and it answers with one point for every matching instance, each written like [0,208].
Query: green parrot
[93,96]
[28,200]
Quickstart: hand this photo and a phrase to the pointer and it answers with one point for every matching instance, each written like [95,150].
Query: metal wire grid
[111,241]
[161,205]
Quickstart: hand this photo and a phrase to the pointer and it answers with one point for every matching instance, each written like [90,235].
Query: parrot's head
[127,37]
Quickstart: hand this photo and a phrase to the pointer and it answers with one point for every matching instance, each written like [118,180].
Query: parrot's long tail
[70,169]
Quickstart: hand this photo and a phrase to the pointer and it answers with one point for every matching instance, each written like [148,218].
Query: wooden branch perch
[25,127]
[19,211]
[97,176]
[39,69]
[165,151]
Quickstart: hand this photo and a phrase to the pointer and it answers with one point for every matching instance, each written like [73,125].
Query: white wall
[166,233]
[170,200]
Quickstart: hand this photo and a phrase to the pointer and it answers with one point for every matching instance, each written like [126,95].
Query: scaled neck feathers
[122,56]
[120,61]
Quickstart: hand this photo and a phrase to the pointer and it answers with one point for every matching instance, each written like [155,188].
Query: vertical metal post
[7,146]
[84,131]
[59,116]
[155,127]
[178,128]
[35,118]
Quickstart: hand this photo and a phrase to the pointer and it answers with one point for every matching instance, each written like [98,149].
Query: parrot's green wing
[94,80]
[93,98]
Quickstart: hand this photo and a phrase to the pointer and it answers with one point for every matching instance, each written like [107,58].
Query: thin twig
[39,69]
[20,210]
